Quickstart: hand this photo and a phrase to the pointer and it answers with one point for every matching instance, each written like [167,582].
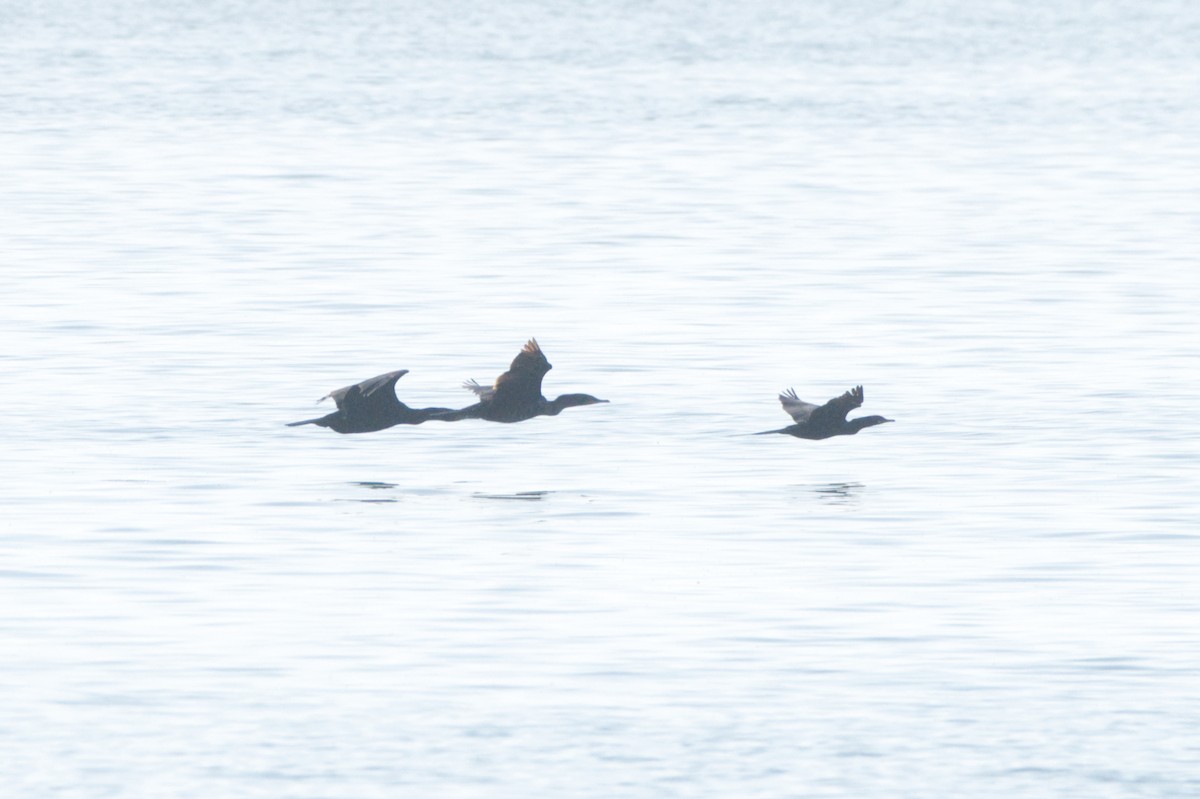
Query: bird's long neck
[854,425]
[555,407]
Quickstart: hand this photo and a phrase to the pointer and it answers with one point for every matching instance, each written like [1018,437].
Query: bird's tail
[306,421]
[420,415]
[760,433]
[469,412]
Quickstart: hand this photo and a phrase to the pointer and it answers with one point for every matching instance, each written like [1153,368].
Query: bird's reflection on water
[837,493]
[378,487]
[373,485]
[527,496]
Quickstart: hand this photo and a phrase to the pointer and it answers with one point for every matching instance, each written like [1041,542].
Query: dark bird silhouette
[370,406]
[517,394]
[816,422]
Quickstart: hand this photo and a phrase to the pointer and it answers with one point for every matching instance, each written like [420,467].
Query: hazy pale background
[987,213]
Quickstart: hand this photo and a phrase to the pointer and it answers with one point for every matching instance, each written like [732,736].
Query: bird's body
[370,406]
[817,422]
[517,394]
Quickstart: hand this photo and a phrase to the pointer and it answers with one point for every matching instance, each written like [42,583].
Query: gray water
[987,214]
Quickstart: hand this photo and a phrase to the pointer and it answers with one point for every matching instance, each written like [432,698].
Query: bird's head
[866,421]
[571,400]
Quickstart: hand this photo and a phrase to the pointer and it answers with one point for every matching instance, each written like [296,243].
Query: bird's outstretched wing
[834,412]
[523,380]
[377,393]
[795,407]
[481,391]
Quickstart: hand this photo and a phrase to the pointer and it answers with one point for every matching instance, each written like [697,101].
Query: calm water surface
[213,214]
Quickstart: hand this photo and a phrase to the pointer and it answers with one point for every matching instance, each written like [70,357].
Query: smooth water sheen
[986,213]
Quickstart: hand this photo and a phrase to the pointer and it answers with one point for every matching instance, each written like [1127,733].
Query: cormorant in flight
[370,406]
[816,422]
[517,394]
